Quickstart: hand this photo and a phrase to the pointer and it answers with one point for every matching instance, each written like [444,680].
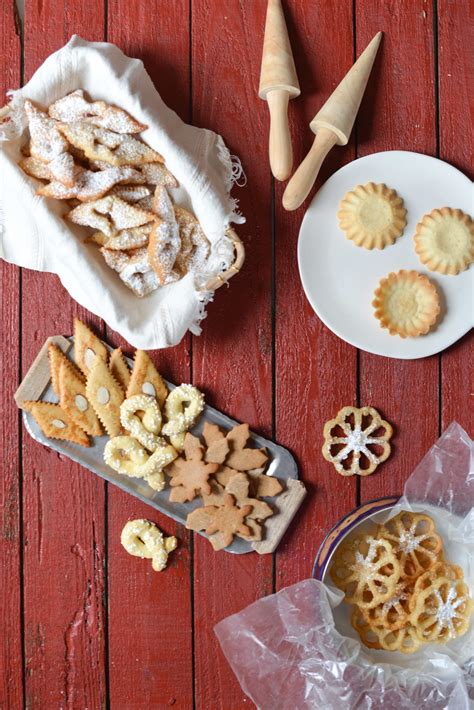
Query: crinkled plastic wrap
[288,650]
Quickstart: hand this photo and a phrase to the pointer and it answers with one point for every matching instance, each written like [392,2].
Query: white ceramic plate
[339,278]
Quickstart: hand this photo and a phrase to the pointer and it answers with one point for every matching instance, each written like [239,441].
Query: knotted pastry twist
[145,430]
[144,539]
[126,455]
[182,407]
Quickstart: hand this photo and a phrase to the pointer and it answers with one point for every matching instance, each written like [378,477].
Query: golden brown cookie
[406,303]
[442,611]
[110,215]
[75,107]
[221,523]
[415,541]
[217,446]
[145,379]
[367,570]
[238,487]
[356,441]
[165,241]
[190,473]
[444,241]
[56,358]
[105,394]
[55,423]
[119,368]
[242,458]
[395,612]
[372,215]
[107,146]
[87,346]
[73,400]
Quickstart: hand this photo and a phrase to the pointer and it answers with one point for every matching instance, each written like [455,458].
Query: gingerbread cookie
[190,474]
[221,523]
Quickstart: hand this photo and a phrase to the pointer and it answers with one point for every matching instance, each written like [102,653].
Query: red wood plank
[150,621]
[315,371]
[402,87]
[456,145]
[11,675]
[232,358]
[63,503]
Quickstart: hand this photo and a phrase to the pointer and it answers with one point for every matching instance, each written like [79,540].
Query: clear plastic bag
[287,653]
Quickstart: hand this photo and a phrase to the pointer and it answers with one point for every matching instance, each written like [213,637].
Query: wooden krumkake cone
[332,124]
[278,84]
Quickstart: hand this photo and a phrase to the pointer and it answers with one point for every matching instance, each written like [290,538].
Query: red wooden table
[83,624]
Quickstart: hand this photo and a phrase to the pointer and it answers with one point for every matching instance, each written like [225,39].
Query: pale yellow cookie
[372,215]
[105,394]
[144,539]
[406,303]
[146,379]
[444,240]
[87,346]
[56,423]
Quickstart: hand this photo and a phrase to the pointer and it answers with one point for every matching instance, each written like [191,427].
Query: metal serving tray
[37,385]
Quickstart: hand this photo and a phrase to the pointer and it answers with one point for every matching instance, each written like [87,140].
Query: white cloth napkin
[33,233]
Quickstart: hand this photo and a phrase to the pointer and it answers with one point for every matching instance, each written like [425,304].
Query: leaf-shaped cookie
[221,523]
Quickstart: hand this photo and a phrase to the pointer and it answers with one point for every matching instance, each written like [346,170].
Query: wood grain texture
[393,117]
[11,663]
[315,371]
[63,503]
[456,145]
[150,618]
[232,359]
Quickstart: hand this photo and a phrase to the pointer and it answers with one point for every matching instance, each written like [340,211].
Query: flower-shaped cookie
[442,610]
[415,541]
[356,441]
[367,570]
[395,612]
[372,215]
[406,303]
[444,241]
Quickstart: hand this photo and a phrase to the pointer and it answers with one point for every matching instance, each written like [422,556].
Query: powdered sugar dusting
[445,612]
